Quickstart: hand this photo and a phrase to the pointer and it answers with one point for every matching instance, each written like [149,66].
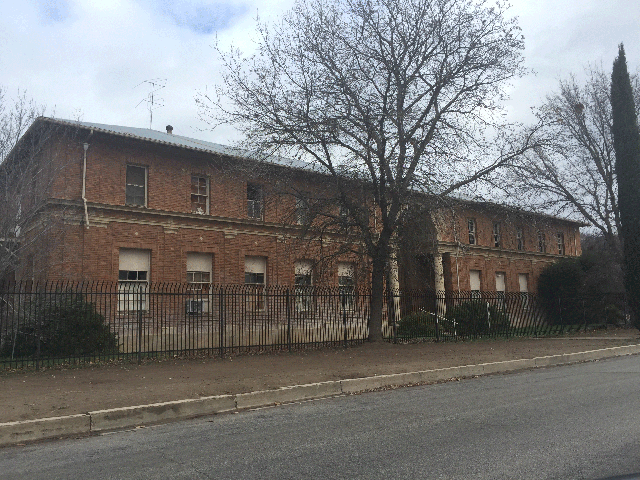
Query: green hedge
[66,325]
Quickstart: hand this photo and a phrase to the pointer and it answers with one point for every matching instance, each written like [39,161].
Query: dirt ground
[56,392]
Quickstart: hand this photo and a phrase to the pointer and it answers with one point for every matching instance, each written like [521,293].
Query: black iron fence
[83,322]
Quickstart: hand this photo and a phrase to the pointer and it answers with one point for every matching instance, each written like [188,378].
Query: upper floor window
[136,186]
[302,211]
[560,240]
[542,247]
[199,194]
[496,235]
[519,239]
[471,225]
[254,201]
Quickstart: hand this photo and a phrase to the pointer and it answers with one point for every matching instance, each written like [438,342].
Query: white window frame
[255,206]
[133,283]
[472,228]
[475,286]
[199,273]
[519,239]
[199,193]
[255,278]
[560,243]
[303,212]
[497,237]
[542,244]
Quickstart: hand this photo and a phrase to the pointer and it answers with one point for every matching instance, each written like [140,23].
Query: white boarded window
[133,279]
[523,281]
[255,275]
[500,282]
[346,284]
[474,282]
[303,285]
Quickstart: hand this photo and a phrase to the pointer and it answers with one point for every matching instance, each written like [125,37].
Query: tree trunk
[377,297]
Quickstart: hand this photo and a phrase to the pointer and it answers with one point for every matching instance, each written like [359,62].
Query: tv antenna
[152,99]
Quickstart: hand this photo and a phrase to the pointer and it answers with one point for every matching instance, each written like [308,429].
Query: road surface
[572,422]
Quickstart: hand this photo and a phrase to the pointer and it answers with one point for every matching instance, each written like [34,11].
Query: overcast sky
[89,59]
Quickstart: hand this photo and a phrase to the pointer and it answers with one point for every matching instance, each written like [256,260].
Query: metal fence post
[221,321]
[139,326]
[288,307]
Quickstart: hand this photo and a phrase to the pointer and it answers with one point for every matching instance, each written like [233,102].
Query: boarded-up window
[500,282]
[474,282]
[133,279]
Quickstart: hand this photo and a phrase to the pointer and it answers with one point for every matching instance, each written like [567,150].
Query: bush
[477,317]
[574,291]
[67,326]
[417,324]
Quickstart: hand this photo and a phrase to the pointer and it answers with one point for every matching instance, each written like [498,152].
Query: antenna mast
[153,101]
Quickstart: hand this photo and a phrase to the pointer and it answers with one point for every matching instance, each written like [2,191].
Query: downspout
[84,182]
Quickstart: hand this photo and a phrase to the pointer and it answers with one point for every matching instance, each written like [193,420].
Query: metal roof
[164,138]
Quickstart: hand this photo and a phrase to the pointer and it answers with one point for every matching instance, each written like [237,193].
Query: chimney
[169,129]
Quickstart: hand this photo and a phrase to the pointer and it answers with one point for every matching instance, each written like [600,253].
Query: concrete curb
[129,417]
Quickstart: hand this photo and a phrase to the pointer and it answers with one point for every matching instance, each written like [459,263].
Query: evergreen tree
[626,143]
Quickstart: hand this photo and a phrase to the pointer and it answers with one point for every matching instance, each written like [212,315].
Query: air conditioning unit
[194,306]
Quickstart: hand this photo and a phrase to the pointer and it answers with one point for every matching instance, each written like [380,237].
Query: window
[133,279]
[471,225]
[199,280]
[496,235]
[136,186]
[199,194]
[523,283]
[346,285]
[255,278]
[303,286]
[500,288]
[542,247]
[560,240]
[519,239]
[474,283]
[254,201]
[302,211]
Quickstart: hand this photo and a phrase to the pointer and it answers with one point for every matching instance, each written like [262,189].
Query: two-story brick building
[136,205]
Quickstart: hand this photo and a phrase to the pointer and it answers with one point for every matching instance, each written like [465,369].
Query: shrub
[66,324]
[477,317]
[417,324]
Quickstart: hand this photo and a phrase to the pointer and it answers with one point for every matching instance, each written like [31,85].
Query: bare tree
[572,172]
[397,96]
[25,168]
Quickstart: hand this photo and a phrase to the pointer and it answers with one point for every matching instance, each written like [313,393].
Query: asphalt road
[573,422]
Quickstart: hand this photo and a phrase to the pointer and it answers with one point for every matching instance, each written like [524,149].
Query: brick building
[135,205]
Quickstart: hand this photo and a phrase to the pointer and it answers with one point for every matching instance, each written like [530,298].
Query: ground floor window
[199,269]
[133,279]
[255,269]
[346,285]
[303,286]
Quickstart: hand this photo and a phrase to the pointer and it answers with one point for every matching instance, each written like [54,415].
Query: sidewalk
[75,390]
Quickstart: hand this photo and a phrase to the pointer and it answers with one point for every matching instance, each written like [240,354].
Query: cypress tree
[626,143]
